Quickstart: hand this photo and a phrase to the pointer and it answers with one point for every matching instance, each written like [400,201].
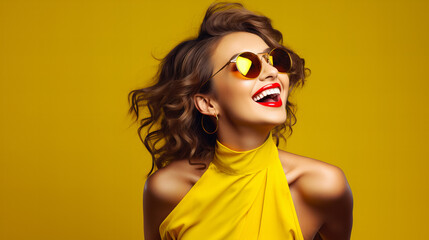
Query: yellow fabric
[242,195]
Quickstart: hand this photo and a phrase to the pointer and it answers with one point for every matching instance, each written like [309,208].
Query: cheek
[234,93]
[285,82]
[241,89]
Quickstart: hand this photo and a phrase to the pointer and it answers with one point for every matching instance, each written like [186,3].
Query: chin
[274,122]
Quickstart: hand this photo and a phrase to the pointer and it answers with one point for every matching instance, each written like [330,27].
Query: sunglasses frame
[265,55]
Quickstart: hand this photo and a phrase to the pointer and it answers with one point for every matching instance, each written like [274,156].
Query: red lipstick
[268,86]
[272,104]
[267,97]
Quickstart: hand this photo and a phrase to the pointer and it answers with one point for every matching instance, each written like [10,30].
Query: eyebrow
[266,50]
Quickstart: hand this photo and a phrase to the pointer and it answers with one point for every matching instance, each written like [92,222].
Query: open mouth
[268,95]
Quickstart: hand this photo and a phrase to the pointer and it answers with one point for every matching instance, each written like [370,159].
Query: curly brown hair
[173,125]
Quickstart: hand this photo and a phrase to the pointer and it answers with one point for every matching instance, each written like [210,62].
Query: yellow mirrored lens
[270,58]
[243,65]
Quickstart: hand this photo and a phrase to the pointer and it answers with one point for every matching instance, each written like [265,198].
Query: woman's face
[235,95]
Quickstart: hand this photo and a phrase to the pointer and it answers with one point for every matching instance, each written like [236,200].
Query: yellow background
[72,166]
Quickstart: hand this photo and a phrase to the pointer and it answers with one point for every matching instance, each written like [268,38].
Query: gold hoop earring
[202,124]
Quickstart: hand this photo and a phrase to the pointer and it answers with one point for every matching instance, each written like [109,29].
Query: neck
[243,138]
[238,162]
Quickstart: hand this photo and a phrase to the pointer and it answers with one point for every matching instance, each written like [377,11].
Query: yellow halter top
[243,195]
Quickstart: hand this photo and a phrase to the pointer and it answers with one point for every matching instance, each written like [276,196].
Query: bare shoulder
[314,178]
[163,190]
[168,183]
[324,189]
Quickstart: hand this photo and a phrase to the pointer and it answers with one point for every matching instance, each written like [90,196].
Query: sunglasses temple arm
[220,69]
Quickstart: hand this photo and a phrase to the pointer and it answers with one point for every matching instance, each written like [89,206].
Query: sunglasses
[249,64]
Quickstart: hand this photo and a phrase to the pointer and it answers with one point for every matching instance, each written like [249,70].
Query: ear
[205,104]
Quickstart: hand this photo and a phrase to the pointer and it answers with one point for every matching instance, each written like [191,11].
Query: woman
[219,102]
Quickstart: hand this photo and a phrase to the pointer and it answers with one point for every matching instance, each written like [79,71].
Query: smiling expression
[242,101]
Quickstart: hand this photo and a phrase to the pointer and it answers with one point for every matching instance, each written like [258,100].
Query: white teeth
[265,93]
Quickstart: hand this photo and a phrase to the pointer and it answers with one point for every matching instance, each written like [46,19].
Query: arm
[152,207]
[338,215]
[329,192]
[159,198]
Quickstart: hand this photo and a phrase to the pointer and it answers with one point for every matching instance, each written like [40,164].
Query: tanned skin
[320,192]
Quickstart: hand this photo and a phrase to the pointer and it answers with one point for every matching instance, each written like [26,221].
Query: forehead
[234,43]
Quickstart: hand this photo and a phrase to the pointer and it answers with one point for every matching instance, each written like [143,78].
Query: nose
[268,71]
